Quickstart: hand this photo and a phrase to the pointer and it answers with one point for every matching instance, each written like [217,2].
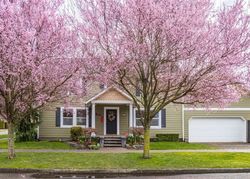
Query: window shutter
[163,118]
[90,117]
[58,117]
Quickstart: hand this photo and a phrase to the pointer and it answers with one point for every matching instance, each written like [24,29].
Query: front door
[111,121]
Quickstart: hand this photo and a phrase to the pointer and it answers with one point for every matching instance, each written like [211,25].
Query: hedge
[168,137]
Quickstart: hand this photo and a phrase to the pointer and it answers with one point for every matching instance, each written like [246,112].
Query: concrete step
[112,145]
[112,141]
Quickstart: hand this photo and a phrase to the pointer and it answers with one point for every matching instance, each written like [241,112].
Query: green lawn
[126,161]
[178,146]
[3,136]
[36,145]
[62,145]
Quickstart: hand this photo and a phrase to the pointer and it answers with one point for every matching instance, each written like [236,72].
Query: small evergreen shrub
[168,137]
[26,126]
[155,139]
[75,133]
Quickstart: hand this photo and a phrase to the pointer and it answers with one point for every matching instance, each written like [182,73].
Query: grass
[36,145]
[62,145]
[126,160]
[179,146]
[3,136]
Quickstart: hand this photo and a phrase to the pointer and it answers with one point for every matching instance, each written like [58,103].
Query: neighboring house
[3,124]
[111,112]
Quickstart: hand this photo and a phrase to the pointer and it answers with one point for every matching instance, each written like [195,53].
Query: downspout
[183,122]
[38,132]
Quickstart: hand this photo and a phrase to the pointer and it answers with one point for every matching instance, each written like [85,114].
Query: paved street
[200,176]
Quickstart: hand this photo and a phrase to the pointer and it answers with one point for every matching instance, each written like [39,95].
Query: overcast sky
[219,3]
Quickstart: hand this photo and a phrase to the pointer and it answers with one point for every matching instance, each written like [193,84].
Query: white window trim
[74,117]
[151,127]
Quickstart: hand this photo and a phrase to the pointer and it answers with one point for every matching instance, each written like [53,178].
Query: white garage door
[226,129]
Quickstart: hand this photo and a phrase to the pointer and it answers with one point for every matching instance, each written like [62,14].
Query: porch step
[112,142]
[112,145]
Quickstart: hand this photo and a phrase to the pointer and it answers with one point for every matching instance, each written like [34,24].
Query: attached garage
[217,129]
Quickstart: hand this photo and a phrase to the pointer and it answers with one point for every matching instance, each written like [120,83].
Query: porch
[111,113]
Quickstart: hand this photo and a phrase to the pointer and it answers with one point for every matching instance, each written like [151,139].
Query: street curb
[123,172]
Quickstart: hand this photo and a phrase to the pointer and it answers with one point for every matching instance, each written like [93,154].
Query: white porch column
[131,115]
[93,116]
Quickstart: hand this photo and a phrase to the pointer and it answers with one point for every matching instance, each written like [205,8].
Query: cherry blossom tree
[174,51]
[38,63]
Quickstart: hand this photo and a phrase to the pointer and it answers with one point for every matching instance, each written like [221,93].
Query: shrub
[94,147]
[89,139]
[87,132]
[130,139]
[168,137]
[75,133]
[137,131]
[26,126]
[135,136]
[155,139]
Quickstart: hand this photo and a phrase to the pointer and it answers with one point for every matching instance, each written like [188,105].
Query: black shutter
[90,117]
[163,118]
[58,117]
[248,131]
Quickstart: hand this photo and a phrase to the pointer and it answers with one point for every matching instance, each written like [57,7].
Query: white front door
[217,129]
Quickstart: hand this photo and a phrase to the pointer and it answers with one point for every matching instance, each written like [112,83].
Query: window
[73,117]
[81,117]
[155,123]
[102,86]
[67,117]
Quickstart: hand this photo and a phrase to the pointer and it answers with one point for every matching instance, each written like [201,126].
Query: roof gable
[111,94]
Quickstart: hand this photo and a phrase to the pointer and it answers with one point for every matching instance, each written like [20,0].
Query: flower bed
[135,139]
[84,138]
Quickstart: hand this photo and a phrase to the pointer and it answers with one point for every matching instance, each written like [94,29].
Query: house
[3,124]
[111,112]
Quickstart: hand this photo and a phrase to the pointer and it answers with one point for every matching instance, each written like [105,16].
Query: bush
[88,139]
[75,133]
[130,139]
[26,126]
[136,136]
[155,139]
[168,137]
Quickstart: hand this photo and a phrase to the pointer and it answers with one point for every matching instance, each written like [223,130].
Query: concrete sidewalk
[3,131]
[123,150]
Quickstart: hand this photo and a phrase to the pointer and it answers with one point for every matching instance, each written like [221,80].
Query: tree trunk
[146,147]
[11,150]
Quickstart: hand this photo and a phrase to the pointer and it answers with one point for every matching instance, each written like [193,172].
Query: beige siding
[243,103]
[173,121]
[112,94]
[47,128]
